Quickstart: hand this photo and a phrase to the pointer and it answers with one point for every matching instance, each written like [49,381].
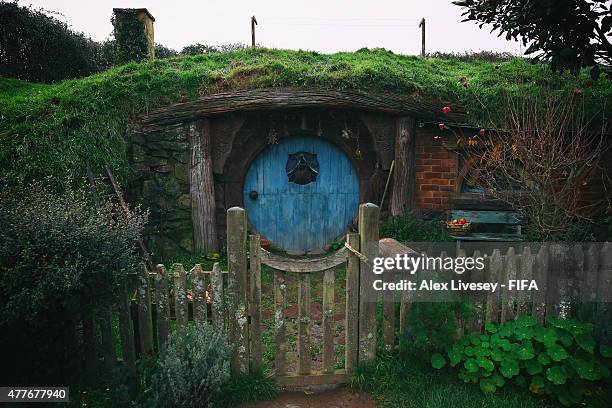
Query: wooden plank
[461,297]
[543,266]
[553,293]
[352,305]
[126,330]
[162,302]
[304,324]
[490,236]
[338,377]
[487,217]
[404,176]
[145,322]
[605,277]
[590,281]
[303,265]
[105,321]
[405,305]
[329,287]
[198,280]
[509,295]
[495,269]
[238,288]
[201,186]
[476,276]
[291,98]
[90,345]
[368,235]
[525,297]
[181,310]
[280,305]
[255,301]
[216,307]
[388,313]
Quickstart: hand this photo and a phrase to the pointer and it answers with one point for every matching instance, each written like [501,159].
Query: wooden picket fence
[235,299]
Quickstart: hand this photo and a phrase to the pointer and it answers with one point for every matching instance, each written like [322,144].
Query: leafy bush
[58,255]
[559,360]
[191,370]
[410,228]
[433,325]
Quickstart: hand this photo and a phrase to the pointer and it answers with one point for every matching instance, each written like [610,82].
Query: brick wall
[436,171]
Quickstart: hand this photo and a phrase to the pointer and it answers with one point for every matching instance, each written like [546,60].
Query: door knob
[253,195]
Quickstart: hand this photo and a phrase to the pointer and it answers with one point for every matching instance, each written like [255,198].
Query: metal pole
[422,25]
[253,24]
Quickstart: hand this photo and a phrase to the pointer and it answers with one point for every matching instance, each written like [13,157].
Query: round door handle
[253,195]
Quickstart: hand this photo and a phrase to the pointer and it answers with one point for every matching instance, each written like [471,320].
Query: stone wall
[159,183]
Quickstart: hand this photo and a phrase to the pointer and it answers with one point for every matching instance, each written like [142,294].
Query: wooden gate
[244,285]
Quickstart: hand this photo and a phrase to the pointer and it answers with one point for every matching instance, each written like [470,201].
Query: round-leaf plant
[559,359]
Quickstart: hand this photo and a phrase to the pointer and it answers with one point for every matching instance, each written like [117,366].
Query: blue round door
[301,194]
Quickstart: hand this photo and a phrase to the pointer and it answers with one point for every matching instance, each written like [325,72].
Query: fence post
[198,298]
[368,237]
[237,286]
[181,311]
[352,306]
[216,283]
[255,301]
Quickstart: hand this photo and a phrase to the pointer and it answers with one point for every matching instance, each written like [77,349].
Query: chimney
[145,18]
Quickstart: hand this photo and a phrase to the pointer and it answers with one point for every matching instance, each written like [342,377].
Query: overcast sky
[320,25]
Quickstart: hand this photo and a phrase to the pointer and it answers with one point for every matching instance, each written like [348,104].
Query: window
[302,168]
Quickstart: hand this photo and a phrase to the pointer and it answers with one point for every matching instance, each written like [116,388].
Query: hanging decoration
[319,129]
[357,149]
[346,132]
[272,134]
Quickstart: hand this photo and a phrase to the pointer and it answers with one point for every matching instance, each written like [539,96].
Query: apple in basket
[265,243]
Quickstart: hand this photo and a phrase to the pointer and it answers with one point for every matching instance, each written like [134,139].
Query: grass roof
[56,130]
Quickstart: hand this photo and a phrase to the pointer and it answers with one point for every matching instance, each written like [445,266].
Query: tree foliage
[37,47]
[570,34]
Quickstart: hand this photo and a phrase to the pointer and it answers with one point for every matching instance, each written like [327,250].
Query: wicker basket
[458,229]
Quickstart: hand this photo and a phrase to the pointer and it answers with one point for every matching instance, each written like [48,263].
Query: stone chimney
[147,20]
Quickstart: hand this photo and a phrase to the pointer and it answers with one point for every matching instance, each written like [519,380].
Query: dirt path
[338,398]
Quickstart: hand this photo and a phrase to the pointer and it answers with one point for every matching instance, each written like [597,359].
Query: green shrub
[410,228]
[560,360]
[191,370]
[58,255]
[433,325]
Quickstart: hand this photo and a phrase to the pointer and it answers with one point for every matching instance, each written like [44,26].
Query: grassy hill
[56,130]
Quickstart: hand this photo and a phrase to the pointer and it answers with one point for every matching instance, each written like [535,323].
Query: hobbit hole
[299,161]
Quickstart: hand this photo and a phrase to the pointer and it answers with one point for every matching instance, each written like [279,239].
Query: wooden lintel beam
[289,98]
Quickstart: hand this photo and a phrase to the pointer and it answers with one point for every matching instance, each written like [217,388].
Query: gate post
[237,287]
[368,246]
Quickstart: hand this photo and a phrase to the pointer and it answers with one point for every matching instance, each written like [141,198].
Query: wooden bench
[503,220]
